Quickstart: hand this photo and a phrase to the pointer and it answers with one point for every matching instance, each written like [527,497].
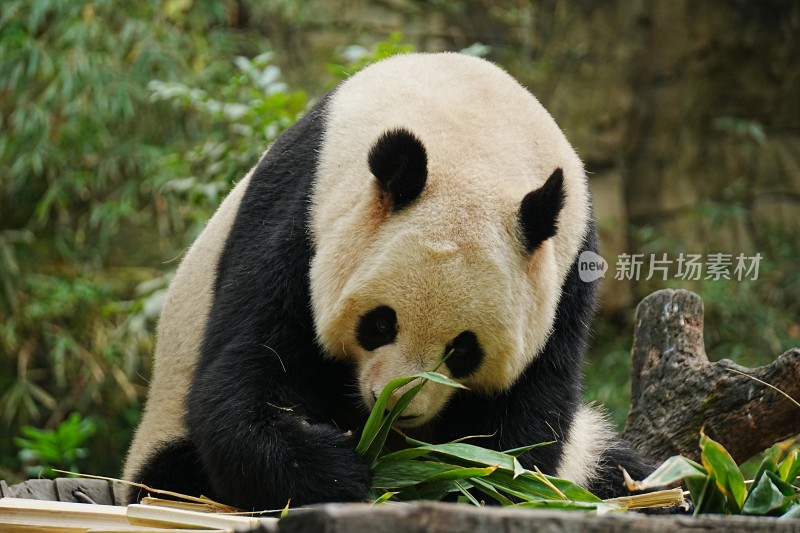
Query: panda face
[416,308]
[438,226]
[461,303]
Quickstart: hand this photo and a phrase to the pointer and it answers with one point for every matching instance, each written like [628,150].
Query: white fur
[180,333]
[589,435]
[452,260]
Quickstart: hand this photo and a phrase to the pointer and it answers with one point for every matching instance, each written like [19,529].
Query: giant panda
[428,204]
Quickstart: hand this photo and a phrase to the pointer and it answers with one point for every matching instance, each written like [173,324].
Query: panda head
[433,250]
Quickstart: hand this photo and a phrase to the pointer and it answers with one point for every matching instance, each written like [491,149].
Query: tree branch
[675,390]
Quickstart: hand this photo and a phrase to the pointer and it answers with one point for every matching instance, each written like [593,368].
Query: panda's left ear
[538,212]
[400,164]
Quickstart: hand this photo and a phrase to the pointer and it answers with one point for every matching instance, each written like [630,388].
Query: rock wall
[686,113]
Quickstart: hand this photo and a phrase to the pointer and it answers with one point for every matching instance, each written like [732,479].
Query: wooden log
[675,390]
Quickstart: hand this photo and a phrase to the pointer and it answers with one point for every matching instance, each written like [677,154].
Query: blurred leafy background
[123,124]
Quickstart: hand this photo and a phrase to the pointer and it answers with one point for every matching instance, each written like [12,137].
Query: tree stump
[675,390]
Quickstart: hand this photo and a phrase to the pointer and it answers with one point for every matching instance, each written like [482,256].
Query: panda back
[179,336]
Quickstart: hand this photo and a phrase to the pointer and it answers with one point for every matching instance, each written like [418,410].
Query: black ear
[538,212]
[400,164]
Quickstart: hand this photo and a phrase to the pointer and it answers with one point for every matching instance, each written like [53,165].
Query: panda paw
[325,464]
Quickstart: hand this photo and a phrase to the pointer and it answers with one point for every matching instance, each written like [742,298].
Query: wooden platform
[420,517]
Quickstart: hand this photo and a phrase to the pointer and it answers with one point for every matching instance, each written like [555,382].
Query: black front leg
[262,441]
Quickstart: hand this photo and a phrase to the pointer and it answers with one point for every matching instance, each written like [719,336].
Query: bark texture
[675,390]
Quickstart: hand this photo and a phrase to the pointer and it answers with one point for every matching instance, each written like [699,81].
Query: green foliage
[355,57]
[244,117]
[78,134]
[42,450]
[80,208]
[432,471]
[718,486]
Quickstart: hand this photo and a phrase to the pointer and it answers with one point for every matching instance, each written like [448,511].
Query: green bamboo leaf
[377,415]
[793,513]
[456,450]
[395,474]
[789,468]
[490,491]
[769,495]
[462,473]
[724,470]
[467,494]
[384,497]
[376,446]
[379,423]
[398,474]
[512,490]
[437,490]
[285,510]
[440,378]
[518,469]
[767,465]
[565,505]
[671,471]
[530,486]
[516,452]
[706,496]
[569,489]
[774,452]
[409,494]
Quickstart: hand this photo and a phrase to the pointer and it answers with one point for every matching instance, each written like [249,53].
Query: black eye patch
[467,354]
[377,328]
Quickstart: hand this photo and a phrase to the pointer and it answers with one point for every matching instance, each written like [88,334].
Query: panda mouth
[410,421]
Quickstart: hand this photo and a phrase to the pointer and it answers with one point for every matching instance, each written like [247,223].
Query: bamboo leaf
[793,513]
[376,446]
[384,497]
[769,495]
[395,474]
[463,473]
[379,423]
[565,505]
[440,378]
[529,486]
[789,468]
[706,496]
[398,474]
[467,494]
[437,490]
[377,415]
[516,452]
[457,450]
[671,471]
[724,470]
[490,491]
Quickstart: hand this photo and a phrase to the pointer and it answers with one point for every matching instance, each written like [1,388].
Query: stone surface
[446,518]
[62,489]
[435,517]
[84,491]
